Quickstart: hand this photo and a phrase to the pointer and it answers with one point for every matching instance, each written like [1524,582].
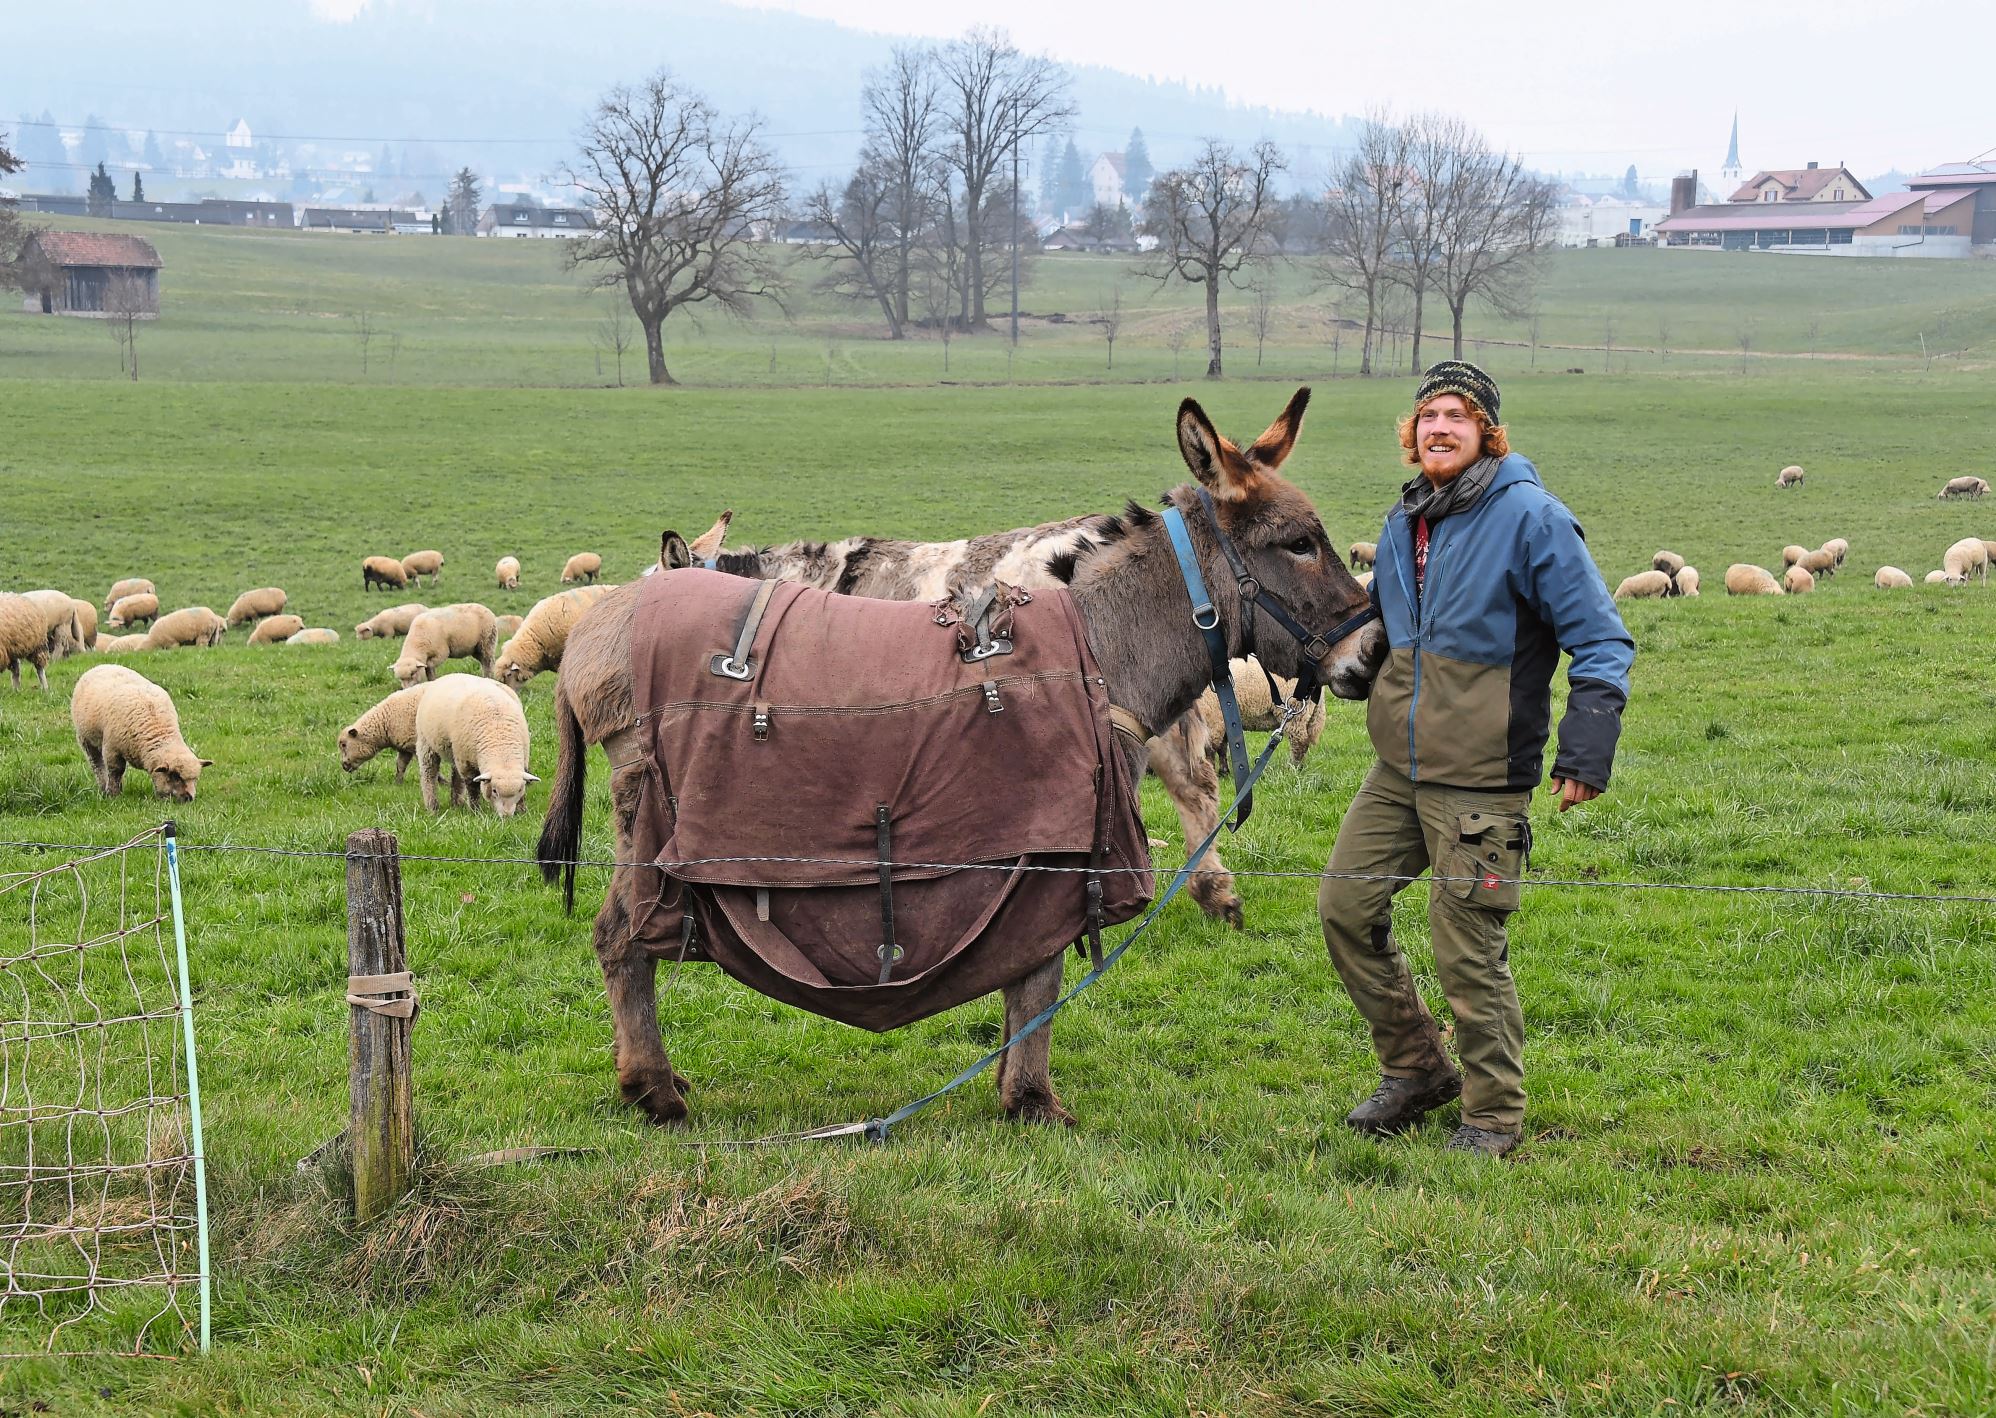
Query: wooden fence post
[382,1127]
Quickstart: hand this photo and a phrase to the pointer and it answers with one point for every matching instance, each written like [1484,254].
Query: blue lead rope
[877,1129]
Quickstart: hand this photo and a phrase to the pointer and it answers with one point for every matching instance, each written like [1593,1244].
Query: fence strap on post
[381,1125]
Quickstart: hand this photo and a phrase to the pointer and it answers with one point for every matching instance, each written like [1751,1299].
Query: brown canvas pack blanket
[841,714]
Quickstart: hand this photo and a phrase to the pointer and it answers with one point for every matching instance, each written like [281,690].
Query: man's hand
[1571,791]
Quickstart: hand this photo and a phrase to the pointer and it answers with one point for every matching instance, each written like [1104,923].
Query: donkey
[1181,755]
[1128,592]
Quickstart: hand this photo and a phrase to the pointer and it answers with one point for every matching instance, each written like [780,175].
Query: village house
[89,273]
[1826,211]
[1105,180]
[518,219]
[372,220]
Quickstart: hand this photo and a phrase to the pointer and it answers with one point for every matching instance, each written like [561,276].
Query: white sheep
[1891,578]
[1790,476]
[1821,564]
[276,629]
[389,724]
[388,624]
[477,726]
[466,630]
[583,566]
[1798,581]
[1989,548]
[1964,487]
[1967,559]
[1364,554]
[121,718]
[24,635]
[508,626]
[1839,548]
[120,644]
[140,607]
[86,622]
[1364,579]
[1649,585]
[383,571]
[542,636]
[1260,713]
[507,573]
[317,635]
[1668,562]
[1687,581]
[130,586]
[253,605]
[193,625]
[59,615]
[1745,580]
[1791,554]
[418,564]
[1941,578]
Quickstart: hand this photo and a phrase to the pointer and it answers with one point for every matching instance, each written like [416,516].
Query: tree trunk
[1455,311]
[1213,324]
[1420,294]
[973,261]
[655,350]
[1365,347]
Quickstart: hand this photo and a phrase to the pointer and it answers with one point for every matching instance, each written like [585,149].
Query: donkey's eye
[1304,546]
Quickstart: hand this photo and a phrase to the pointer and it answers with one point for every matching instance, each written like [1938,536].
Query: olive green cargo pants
[1476,844]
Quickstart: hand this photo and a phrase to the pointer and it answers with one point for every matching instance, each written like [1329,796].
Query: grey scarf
[1423,499]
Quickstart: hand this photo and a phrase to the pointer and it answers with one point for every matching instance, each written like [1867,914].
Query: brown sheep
[383,571]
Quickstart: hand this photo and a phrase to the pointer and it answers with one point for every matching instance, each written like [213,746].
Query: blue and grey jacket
[1464,699]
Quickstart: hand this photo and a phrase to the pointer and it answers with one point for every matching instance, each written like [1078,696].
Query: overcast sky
[1591,84]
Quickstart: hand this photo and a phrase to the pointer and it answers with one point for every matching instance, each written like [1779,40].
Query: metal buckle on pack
[761,723]
[998,645]
[730,668]
[991,700]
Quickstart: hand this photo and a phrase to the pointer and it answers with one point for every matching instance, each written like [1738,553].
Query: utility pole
[1015,222]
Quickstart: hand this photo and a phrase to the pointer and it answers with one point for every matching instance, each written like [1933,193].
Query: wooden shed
[90,273]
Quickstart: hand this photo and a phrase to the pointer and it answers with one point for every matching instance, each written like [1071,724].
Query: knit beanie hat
[1457,376]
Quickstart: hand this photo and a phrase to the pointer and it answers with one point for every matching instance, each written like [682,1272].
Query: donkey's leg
[1179,758]
[1025,1083]
[630,977]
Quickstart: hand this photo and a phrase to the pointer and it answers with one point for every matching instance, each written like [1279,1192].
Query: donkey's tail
[561,833]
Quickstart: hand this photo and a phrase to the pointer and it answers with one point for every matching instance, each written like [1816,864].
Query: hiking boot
[1398,1103]
[1475,1139]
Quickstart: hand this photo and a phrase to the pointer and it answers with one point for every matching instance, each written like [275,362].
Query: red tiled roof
[97,248]
[1798,184]
[1789,216]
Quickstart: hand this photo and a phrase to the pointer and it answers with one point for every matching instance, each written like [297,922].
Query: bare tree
[678,194]
[938,298]
[1261,312]
[1110,321]
[364,332]
[1337,321]
[864,249]
[993,97]
[903,129]
[127,300]
[1177,335]
[1608,342]
[613,333]
[1362,220]
[1434,144]
[1663,339]
[1210,219]
[1497,228]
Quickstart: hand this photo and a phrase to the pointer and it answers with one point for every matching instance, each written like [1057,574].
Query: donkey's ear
[708,543]
[1217,463]
[673,554]
[1272,449]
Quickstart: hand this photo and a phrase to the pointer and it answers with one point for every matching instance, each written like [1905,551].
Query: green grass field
[1758,1173]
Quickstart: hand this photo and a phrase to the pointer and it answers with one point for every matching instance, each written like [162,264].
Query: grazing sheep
[507,573]
[1790,476]
[1964,487]
[1792,554]
[475,724]
[1744,580]
[583,566]
[130,586]
[1941,578]
[538,643]
[59,614]
[1967,558]
[1891,578]
[1687,581]
[276,629]
[140,607]
[1646,585]
[254,605]
[466,629]
[1363,554]
[1798,581]
[1668,562]
[389,624]
[418,564]
[86,622]
[121,718]
[318,635]
[1260,713]
[1990,548]
[195,625]
[508,626]
[1364,579]
[1819,564]
[1839,548]
[383,571]
[120,644]
[24,635]
[389,724]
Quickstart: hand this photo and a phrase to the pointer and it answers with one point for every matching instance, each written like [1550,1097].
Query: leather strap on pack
[738,665]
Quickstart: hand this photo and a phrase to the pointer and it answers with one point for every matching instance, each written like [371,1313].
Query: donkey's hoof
[659,1099]
[1040,1108]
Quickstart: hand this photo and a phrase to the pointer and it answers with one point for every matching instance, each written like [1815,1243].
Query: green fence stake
[193,1074]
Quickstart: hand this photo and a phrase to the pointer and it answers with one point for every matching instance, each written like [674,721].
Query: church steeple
[1732,168]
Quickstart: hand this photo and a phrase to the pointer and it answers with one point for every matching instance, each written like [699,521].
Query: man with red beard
[1482,580]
